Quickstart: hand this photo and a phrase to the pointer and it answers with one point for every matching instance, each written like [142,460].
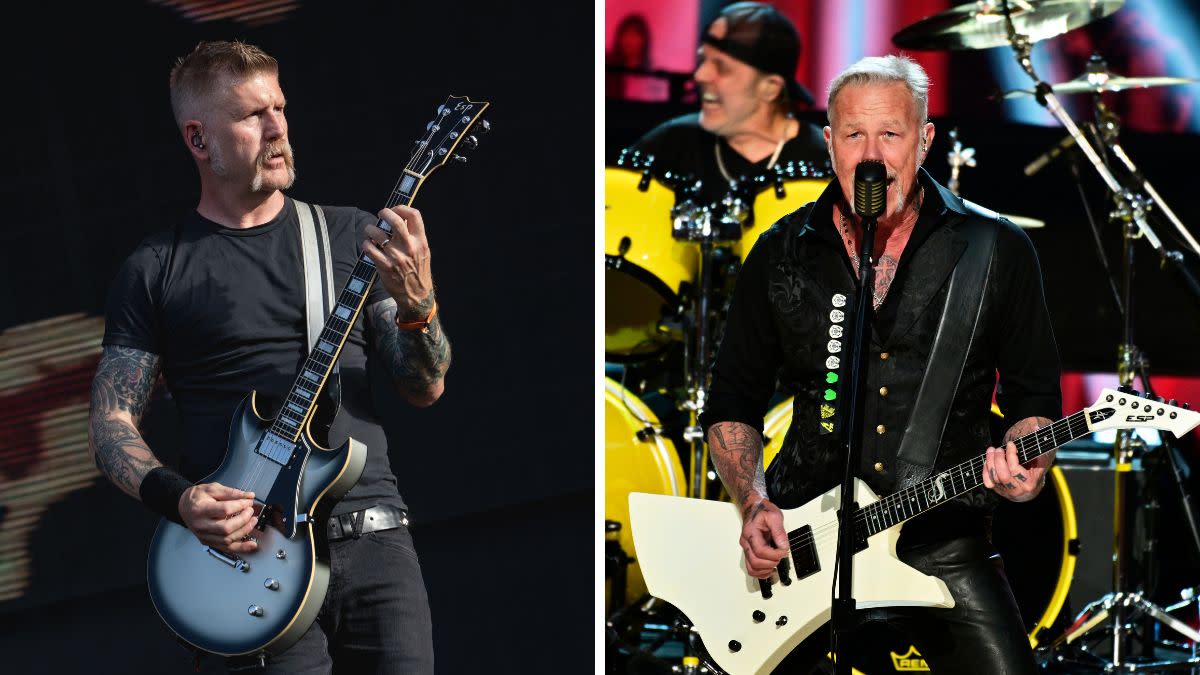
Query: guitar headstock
[1115,409]
[449,135]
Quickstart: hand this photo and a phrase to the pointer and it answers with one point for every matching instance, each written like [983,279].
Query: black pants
[375,618]
[981,635]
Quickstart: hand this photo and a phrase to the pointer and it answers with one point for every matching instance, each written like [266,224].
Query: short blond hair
[197,76]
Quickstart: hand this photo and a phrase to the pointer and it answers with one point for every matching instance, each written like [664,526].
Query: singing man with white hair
[944,269]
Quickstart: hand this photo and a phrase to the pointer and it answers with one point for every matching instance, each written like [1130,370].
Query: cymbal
[1105,82]
[980,25]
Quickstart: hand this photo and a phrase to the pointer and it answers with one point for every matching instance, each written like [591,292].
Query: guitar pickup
[804,553]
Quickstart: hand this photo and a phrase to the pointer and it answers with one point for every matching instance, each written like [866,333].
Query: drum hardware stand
[1121,606]
[702,225]
[957,158]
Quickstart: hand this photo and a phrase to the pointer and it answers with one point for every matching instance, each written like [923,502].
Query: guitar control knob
[1173,403]
[735,646]
[271,584]
[255,610]
[758,616]
[782,621]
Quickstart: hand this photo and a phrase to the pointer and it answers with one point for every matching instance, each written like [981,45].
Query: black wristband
[160,492]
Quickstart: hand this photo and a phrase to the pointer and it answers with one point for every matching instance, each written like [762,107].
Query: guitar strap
[927,421]
[318,286]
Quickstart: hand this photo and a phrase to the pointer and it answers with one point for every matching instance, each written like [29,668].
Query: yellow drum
[1037,539]
[769,207]
[644,266]
[637,458]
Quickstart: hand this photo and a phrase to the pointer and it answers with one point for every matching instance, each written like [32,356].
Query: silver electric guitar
[688,551]
[263,601]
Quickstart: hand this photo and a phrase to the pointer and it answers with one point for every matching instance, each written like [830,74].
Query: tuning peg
[484,126]
[432,126]
[460,159]
[443,110]
[470,142]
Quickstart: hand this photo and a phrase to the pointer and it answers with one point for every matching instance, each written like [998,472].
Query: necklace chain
[770,163]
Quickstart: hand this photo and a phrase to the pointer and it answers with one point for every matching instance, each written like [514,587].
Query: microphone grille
[870,189]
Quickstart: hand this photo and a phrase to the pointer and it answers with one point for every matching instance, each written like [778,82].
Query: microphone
[870,189]
[1048,156]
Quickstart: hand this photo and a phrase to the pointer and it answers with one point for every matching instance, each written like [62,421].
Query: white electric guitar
[688,552]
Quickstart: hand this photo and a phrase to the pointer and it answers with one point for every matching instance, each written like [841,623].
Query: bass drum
[645,268]
[1038,541]
[769,207]
[637,458]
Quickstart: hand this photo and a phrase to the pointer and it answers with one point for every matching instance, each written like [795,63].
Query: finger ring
[384,243]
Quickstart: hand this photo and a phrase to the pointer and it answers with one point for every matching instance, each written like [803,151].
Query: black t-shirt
[682,147]
[224,310]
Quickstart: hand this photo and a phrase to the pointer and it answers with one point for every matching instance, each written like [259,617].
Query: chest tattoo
[885,272]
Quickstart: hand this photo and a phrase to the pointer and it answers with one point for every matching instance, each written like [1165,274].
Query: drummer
[746,125]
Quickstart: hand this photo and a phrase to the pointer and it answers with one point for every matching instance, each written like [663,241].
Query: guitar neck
[301,400]
[946,485]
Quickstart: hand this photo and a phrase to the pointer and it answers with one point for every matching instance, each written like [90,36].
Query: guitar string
[894,504]
[262,465]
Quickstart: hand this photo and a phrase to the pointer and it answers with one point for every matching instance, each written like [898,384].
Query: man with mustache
[745,77]
[793,298]
[216,303]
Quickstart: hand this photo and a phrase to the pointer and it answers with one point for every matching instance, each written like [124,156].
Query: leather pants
[981,635]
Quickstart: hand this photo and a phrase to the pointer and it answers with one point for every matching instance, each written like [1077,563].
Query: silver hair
[882,70]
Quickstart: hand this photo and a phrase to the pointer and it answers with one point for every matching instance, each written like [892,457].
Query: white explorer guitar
[688,551]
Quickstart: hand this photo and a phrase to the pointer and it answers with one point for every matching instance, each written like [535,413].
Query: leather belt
[351,525]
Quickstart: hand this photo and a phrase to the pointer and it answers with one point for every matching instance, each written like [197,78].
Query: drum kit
[669,265]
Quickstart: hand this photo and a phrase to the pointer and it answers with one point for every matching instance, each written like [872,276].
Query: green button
[830,394]
[831,378]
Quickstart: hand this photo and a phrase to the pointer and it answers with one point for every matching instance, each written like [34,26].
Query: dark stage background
[498,474]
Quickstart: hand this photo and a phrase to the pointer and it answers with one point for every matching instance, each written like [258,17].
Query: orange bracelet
[422,326]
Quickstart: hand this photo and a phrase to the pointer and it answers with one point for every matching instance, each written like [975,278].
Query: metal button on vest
[880,429]
[883,391]
[883,356]
[878,467]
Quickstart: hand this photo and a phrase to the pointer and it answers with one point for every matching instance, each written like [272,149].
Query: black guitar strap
[927,421]
[318,286]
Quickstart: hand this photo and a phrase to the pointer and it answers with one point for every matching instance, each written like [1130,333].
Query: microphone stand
[1122,605]
[842,610]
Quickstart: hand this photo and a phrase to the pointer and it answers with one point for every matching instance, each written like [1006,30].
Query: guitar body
[206,597]
[689,557]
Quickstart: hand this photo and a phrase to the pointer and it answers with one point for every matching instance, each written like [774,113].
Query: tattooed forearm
[736,450]
[120,391]
[418,360]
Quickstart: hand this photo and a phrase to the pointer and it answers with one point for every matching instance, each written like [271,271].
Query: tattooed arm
[120,391]
[1003,472]
[737,450]
[417,360]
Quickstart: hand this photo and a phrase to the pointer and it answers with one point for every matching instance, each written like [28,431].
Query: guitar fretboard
[443,135]
[301,399]
[946,485]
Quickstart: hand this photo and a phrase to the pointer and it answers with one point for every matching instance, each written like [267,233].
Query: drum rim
[664,448]
[624,265]
[1066,569]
